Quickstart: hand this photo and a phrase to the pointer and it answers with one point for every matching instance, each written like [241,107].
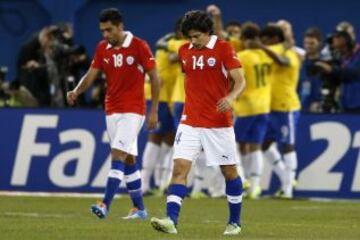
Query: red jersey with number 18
[206,82]
[125,69]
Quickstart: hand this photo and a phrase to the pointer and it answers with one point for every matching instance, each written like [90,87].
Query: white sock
[274,157]
[150,158]
[200,166]
[245,162]
[290,160]
[256,168]
[166,165]
[239,165]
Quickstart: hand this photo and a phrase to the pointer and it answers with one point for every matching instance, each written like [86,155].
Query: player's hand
[213,10]
[223,105]
[71,97]
[152,121]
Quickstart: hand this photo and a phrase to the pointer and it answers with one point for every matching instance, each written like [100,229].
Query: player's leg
[133,185]
[187,149]
[116,172]
[151,156]
[269,147]
[289,153]
[219,146]
[167,161]
[199,175]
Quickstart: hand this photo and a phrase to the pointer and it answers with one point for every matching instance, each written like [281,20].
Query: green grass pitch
[69,218]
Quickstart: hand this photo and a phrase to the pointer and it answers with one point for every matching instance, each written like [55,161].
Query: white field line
[36,215]
[47,194]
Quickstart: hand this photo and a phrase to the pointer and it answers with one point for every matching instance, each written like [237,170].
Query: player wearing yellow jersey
[285,106]
[158,149]
[253,106]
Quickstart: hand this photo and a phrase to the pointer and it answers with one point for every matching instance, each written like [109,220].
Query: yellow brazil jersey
[236,43]
[179,90]
[284,81]
[167,73]
[255,99]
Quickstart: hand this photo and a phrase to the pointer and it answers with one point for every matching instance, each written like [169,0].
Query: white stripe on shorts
[291,128]
[174,198]
[113,173]
[234,199]
[133,177]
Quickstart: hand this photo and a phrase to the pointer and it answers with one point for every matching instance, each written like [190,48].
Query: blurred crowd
[50,63]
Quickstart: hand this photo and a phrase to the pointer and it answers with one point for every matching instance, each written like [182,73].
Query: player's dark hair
[313,32]
[178,25]
[272,31]
[250,30]
[233,23]
[111,14]
[197,20]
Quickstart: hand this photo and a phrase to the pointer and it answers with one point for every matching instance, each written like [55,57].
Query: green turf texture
[70,218]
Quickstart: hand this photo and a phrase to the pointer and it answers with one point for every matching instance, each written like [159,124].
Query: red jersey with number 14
[125,69]
[206,82]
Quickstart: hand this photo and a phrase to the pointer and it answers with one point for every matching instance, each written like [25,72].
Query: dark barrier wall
[68,151]
[150,19]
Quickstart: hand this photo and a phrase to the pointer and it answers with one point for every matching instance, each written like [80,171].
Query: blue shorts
[282,127]
[251,129]
[178,111]
[166,121]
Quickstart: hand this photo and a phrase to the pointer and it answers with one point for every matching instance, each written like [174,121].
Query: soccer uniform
[285,103]
[178,97]
[206,82]
[125,69]
[253,106]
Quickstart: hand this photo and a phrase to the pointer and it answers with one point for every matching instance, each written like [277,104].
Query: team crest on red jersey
[211,61]
[130,60]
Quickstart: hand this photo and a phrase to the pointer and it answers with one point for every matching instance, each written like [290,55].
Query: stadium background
[19,19]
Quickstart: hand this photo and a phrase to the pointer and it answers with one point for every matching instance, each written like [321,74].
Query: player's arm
[281,60]
[238,83]
[86,81]
[155,89]
[215,12]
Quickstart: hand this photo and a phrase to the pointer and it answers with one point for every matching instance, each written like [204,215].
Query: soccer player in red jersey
[206,123]
[125,59]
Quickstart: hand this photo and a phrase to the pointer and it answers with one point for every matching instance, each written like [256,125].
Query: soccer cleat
[100,210]
[255,194]
[281,195]
[136,214]
[165,225]
[232,229]
[198,195]
[246,185]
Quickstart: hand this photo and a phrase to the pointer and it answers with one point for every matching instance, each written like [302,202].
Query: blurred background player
[206,122]
[285,106]
[124,59]
[252,108]
[158,150]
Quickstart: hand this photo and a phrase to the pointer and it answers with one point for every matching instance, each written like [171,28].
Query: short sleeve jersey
[206,82]
[125,69]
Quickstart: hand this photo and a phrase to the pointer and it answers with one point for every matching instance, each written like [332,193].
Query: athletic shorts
[218,144]
[251,129]
[165,118]
[282,127]
[178,111]
[123,130]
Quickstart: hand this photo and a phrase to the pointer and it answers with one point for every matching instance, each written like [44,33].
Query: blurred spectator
[312,84]
[31,66]
[50,64]
[348,73]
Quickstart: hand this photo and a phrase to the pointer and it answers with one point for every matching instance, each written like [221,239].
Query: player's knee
[130,160]
[229,172]
[118,154]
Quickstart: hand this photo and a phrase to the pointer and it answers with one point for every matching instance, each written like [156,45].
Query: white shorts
[218,144]
[123,130]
